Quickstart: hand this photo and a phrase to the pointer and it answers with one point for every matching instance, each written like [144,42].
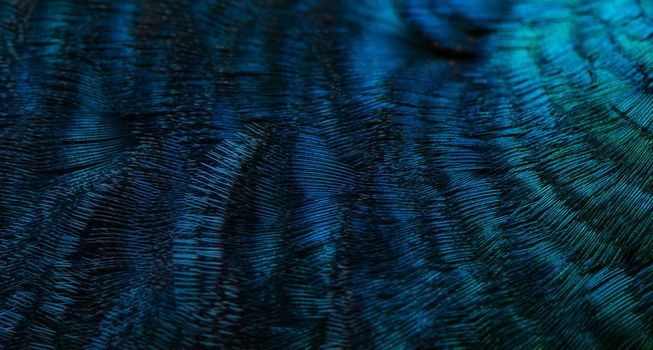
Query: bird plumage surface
[371,174]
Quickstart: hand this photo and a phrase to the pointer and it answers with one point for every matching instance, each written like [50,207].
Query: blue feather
[374,174]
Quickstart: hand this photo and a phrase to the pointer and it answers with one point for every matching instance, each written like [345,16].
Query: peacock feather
[332,174]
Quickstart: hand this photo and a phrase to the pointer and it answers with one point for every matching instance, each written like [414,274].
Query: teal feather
[274,174]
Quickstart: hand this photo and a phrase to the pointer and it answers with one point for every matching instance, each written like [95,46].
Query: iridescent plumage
[292,174]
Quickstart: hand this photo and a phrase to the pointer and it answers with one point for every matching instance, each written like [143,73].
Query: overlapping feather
[326,174]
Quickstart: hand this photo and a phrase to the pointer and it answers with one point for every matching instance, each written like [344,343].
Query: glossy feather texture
[333,174]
